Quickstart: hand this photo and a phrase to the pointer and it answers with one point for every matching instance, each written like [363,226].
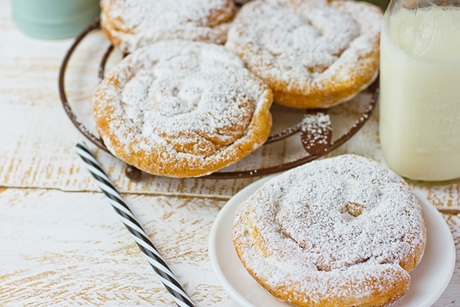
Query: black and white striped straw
[129,220]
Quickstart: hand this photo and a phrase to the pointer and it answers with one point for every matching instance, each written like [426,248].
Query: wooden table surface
[61,244]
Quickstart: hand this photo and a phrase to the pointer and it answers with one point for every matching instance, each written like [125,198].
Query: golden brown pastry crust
[312,53]
[343,231]
[137,23]
[182,109]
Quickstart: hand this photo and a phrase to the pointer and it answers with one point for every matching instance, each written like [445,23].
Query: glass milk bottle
[420,89]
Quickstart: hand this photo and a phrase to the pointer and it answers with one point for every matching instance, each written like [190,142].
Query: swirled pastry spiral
[182,109]
[130,24]
[343,231]
[312,53]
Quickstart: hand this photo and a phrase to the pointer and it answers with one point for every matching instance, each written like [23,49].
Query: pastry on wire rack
[130,24]
[343,231]
[312,53]
[182,109]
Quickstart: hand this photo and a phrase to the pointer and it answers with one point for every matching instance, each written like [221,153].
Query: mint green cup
[54,19]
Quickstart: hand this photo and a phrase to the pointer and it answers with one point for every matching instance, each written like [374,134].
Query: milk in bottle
[420,90]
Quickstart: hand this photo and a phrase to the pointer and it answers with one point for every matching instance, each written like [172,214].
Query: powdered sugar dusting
[298,39]
[332,225]
[191,98]
[316,132]
[140,22]
[316,121]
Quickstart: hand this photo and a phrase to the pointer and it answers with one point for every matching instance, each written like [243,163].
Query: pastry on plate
[182,109]
[312,53]
[342,231]
[130,24]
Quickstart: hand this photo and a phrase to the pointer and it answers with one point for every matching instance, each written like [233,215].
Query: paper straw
[129,220]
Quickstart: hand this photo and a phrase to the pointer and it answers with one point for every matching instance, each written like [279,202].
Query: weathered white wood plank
[68,248]
[37,139]
[62,249]
[451,296]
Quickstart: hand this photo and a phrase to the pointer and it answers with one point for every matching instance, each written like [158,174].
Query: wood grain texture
[451,296]
[69,248]
[60,242]
[38,145]
[38,139]
[63,248]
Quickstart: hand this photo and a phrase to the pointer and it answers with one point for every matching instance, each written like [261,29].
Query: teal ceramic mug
[54,19]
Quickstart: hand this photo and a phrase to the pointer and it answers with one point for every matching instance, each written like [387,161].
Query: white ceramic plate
[428,280]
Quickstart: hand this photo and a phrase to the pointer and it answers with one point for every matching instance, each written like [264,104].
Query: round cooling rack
[316,139]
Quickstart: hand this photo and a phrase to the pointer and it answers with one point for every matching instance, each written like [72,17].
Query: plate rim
[442,286]
[238,298]
[213,236]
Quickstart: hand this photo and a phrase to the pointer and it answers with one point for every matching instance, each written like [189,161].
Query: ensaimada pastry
[130,24]
[312,53]
[343,231]
[182,109]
